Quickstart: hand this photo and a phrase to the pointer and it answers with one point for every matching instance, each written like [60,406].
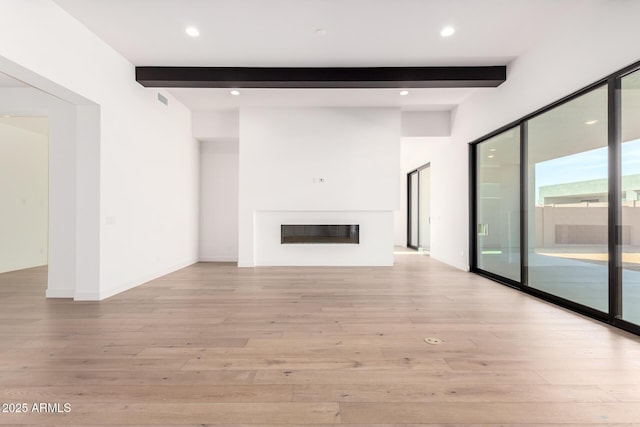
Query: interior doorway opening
[24,192]
[73,172]
[419,209]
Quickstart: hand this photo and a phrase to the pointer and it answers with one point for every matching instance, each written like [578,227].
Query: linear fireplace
[319,233]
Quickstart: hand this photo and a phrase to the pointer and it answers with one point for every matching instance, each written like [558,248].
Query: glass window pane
[425,209]
[567,200]
[630,197]
[413,214]
[498,205]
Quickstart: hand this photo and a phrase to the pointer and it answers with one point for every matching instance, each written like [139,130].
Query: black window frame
[614,315]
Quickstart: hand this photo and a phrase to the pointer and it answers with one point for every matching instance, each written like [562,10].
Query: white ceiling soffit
[355,33]
[417,99]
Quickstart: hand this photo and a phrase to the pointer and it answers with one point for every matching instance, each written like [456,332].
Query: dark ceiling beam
[309,77]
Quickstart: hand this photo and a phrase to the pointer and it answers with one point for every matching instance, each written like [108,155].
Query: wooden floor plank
[190,393]
[168,413]
[217,345]
[446,392]
[595,414]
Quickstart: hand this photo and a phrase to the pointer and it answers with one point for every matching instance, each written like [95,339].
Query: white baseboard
[104,294]
[219,258]
[456,264]
[87,296]
[245,265]
[59,293]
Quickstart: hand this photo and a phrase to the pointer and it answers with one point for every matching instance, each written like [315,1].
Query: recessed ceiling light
[192,31]
[491,156]
[320,32]
[235,92]
[493,149]
[591,122]
[404,92]
[447,31]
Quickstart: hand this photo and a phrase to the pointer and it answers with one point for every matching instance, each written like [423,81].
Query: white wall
[224,124]
[286,153]
[136,164]
[149,192]
[593,43]
[219,201]
[215,125]
[24,192]
[426,123]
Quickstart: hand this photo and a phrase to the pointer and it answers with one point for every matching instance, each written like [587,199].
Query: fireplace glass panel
[315,233]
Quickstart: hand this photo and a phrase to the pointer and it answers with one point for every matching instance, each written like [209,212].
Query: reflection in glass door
[498,205]
[419,209]
[568,200]
[412,222]
[630,210]
[424,210]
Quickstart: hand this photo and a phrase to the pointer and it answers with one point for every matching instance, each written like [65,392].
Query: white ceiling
[282,33]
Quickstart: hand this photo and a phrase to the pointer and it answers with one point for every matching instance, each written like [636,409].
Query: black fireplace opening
[317,233]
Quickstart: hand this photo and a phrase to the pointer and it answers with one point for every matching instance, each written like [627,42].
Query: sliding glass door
[498,205]
[424,239]
[419,209]
[555,202]
[567,176]
[630,202]
[412,219]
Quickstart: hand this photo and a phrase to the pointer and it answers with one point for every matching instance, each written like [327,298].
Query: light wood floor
[216,345]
